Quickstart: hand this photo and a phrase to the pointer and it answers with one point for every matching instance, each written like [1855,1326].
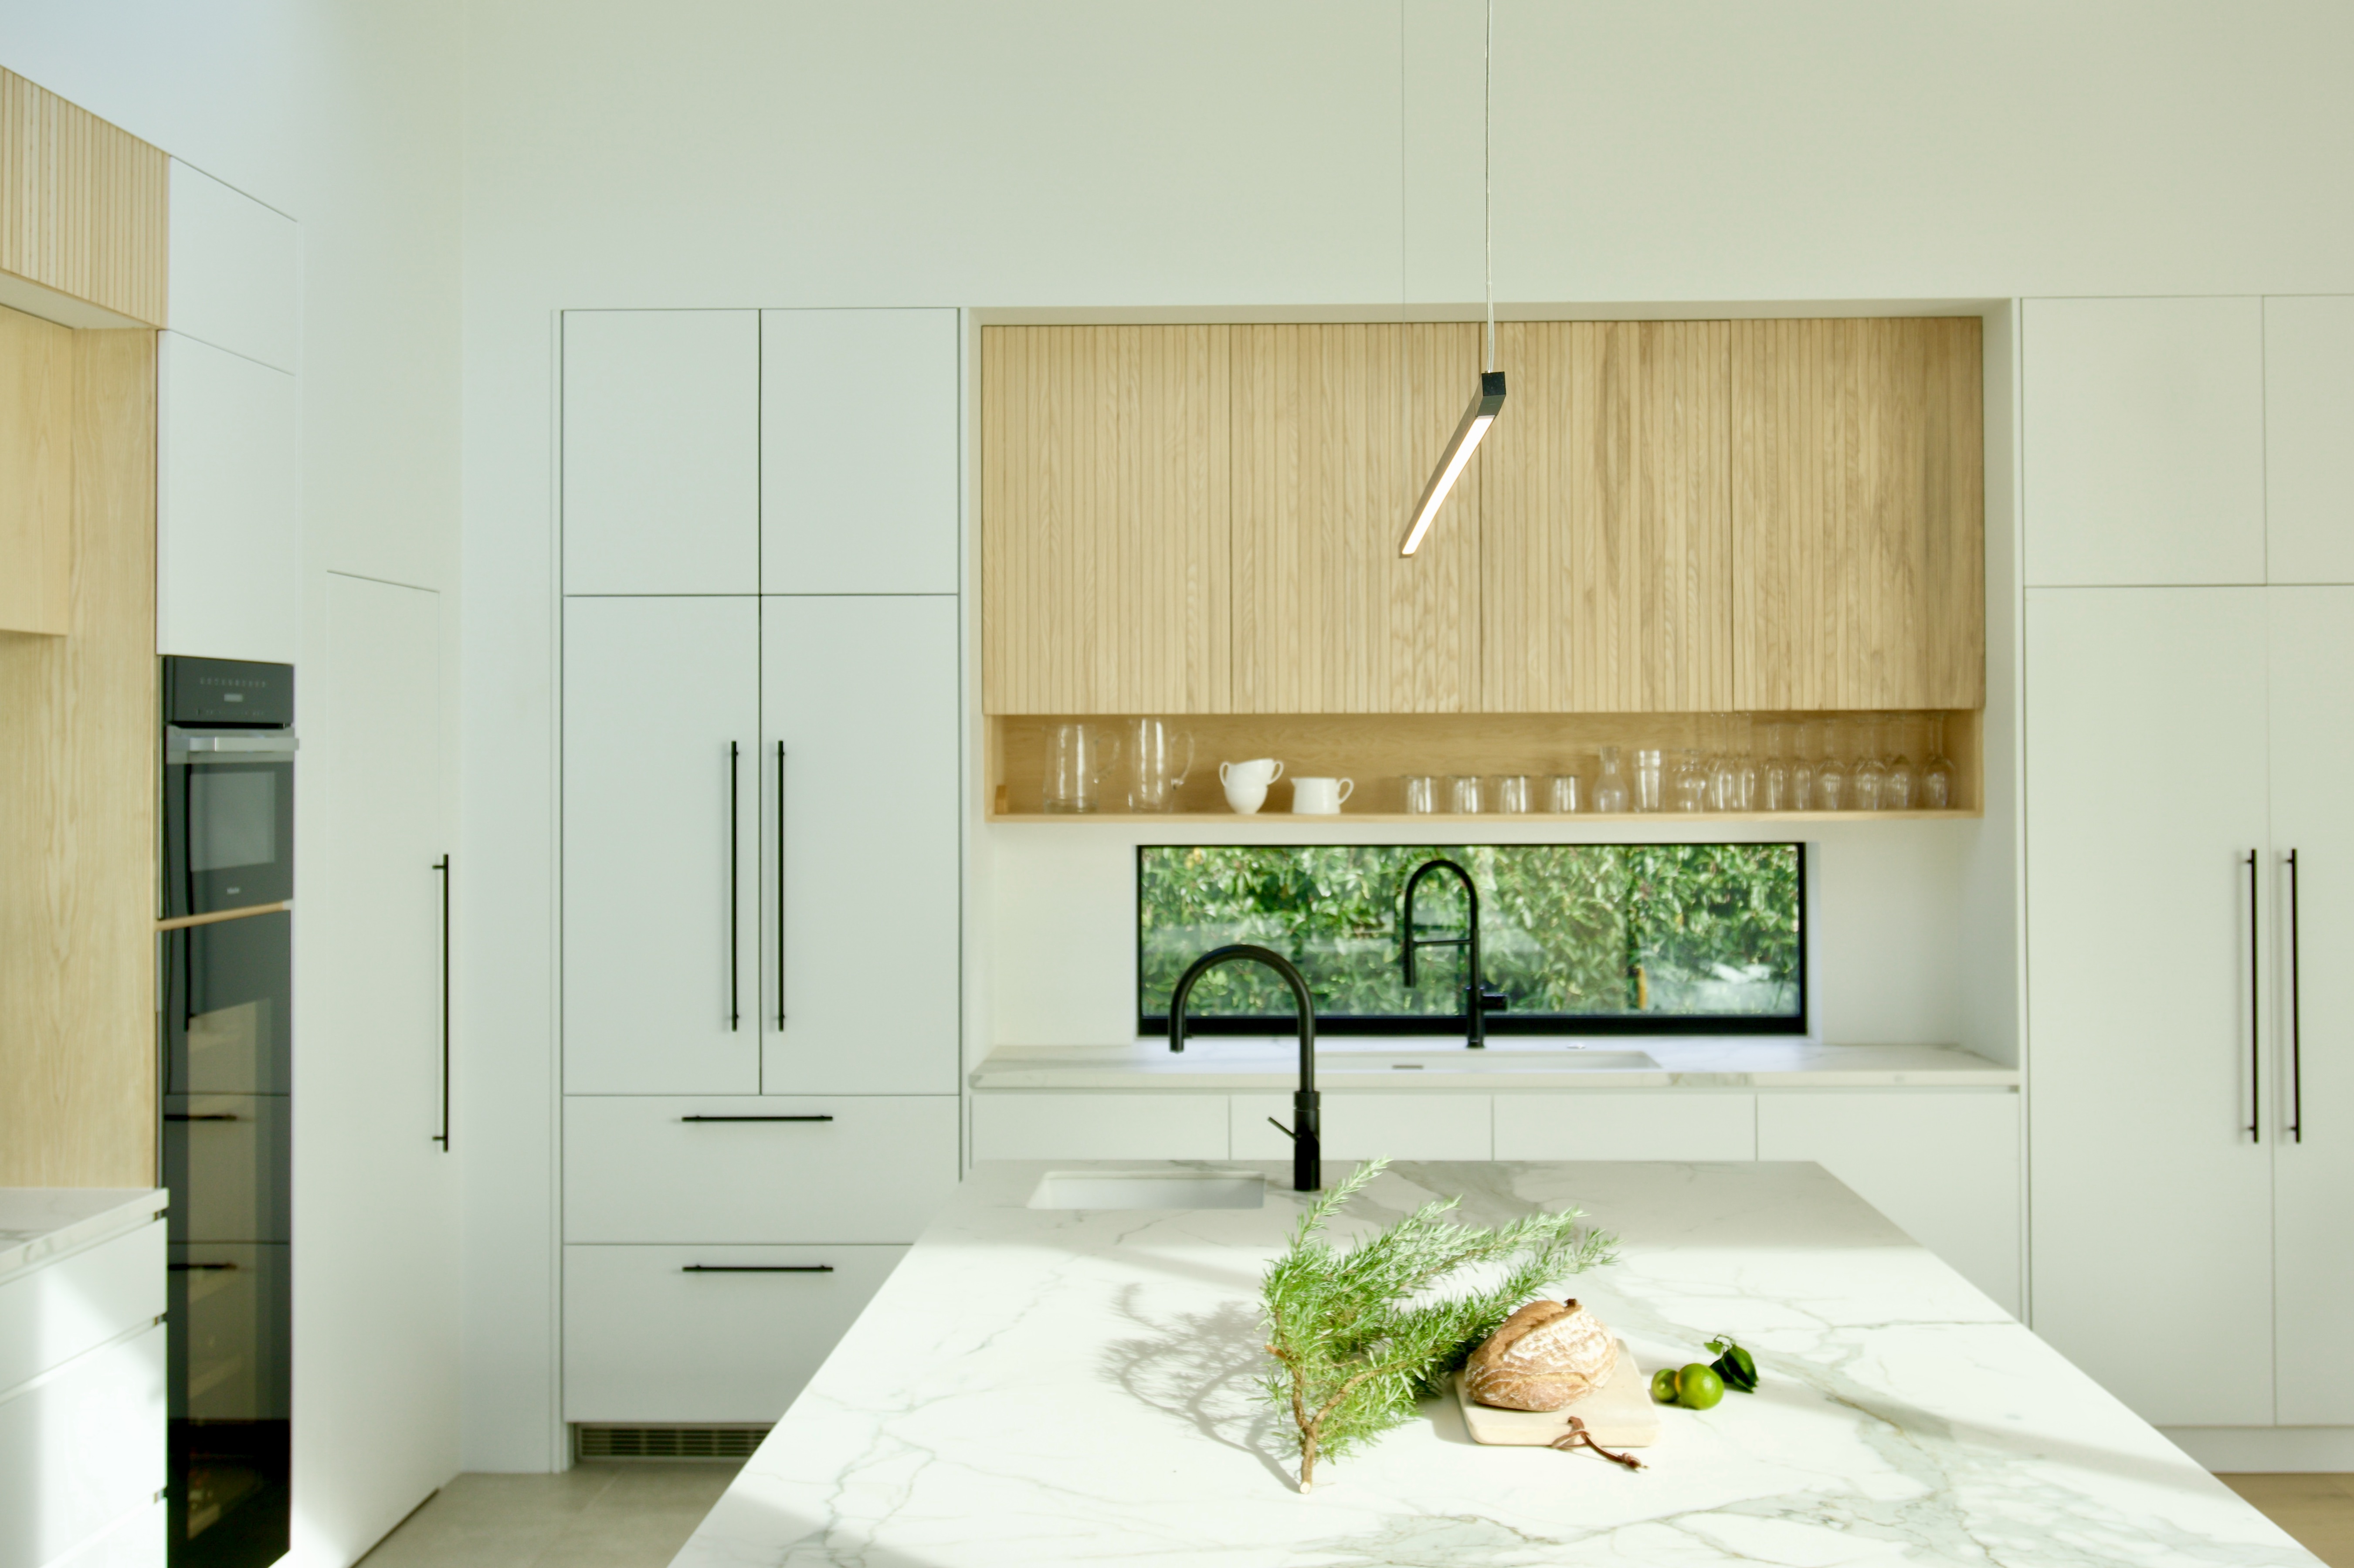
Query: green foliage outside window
[1687,931]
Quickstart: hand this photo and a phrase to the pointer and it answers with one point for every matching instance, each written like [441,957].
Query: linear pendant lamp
[1489,399]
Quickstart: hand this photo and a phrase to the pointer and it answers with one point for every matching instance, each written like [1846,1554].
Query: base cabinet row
[1942,1164]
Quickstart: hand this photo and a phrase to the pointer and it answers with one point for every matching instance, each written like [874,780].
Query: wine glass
[1937,773]
[1745,762]
[1896,792]
[1802,766]
[1831,773]
[1870,775]
[1773,782]
[1723,780]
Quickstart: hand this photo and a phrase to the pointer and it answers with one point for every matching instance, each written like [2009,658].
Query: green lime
[1664,1386]
[1698,1387]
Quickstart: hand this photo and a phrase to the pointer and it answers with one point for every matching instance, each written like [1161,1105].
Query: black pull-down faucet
[1307,1151]
[1479,1000]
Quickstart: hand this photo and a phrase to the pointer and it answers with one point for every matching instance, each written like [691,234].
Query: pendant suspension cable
[1487,180]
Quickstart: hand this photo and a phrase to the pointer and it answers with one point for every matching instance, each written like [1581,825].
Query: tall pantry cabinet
[761,842]
[2190,668]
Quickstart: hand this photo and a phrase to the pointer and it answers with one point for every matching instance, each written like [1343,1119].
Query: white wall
[344,116]
[1236,154]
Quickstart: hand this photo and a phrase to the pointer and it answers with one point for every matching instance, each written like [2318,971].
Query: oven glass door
[229,833]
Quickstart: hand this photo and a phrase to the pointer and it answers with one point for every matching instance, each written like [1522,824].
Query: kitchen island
[1040,1385]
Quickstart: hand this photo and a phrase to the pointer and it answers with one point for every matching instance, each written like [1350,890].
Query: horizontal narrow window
[1580,939]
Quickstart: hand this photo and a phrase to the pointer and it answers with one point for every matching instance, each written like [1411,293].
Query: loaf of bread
[1546,1355]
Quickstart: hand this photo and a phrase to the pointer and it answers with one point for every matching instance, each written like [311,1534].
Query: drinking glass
[1563,794]
[1937,773]
[1774,779]
[1463,794]
[1691,782]
[1512,792]
[1651,779]
[1421,794]
[1897,791]
[1077,758]
[1610,785]
[1870,775]
[1831,773]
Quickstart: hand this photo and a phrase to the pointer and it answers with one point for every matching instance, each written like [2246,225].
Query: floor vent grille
[669,1442]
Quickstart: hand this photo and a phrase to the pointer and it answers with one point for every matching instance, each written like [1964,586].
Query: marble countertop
[38,1224]
[1037,1387]
[1514,1062]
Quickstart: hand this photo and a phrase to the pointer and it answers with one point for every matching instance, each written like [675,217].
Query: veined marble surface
[37,1223]
[1037,1386]
[1511,1061]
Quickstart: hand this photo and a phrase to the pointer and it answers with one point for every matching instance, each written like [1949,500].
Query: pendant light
[1489,399]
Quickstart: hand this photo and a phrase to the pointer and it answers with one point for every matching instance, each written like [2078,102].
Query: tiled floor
[630,1514]
[2318,1510]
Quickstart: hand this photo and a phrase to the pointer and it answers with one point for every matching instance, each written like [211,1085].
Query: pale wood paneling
[1605,520]
[83,204]
[77,813]
[1335,431]
[35,473]
[1858,514]
[1105,532]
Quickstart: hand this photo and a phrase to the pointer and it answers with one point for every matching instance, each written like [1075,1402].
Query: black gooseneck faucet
[1307,1152]
[1479,1000]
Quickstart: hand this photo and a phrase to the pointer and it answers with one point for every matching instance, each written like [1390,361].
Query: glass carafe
[1077,758]
[1155,774]
[1831,773]
[1609,783]
[1937,773]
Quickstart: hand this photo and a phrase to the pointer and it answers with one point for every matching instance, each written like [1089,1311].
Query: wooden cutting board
[1619,1414]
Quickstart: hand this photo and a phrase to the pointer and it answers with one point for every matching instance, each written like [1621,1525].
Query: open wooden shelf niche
[1378,751]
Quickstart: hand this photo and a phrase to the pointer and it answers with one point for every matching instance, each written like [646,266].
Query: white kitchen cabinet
[229,504]
[2308,1097]
[661,959]
[2144,440]
[1100,1126]
[2309,438]
[756,1169]
[235,270]
[662,452]
[2151,1202]
[376,1262]
[135,1540]
[859,444]
[1360,1127]
[52,1314]
[1665,1123]
[1942,1164]
[81,1448]
[859,747]
[707,1334]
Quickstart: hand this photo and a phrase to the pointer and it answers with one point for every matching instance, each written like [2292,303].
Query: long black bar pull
[2296,1018]
[781,887]
[443,1136]
[735,1007]
[2256,1034]
[757,1268]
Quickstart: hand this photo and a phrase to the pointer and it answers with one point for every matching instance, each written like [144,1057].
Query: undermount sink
[1149,1190]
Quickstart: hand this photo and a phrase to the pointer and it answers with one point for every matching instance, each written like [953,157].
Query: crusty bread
[1546,1355]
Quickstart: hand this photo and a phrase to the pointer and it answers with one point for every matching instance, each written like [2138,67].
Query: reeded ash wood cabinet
[1668,517]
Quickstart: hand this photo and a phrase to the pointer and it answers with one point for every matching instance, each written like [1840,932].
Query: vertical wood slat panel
[1105,532]
[1335,429]
[36,363]
[1859,514]
[77,770]
[1607,520]
[83,204]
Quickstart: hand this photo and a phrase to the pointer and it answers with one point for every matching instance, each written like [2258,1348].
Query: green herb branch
[1358,1335]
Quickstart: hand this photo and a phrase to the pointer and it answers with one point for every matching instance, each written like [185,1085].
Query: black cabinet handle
[201,1267]
[757,1268]
[208,1116]
[755,1119]
[781,887]
[443,1136]
[735,1010]
[2255,1035]
[2296,1018]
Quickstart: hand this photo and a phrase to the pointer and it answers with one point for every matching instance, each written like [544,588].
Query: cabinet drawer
[1099,1127]
[52,1315]
[1372,1127]
[135,1540]
[863,1169]
[80,1447]
[706,1333]
[1680,1124]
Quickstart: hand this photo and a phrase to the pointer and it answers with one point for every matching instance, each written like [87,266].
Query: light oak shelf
[1437,819]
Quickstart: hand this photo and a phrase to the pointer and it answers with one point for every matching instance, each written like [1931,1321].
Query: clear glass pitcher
[1160,759]
[1077,758]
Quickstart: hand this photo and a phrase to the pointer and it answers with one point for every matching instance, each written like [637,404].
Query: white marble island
[1042,1386]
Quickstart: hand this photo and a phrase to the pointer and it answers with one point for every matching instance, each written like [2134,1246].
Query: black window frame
[1151,1026]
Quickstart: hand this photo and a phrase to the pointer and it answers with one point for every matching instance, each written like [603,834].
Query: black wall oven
[225,954]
